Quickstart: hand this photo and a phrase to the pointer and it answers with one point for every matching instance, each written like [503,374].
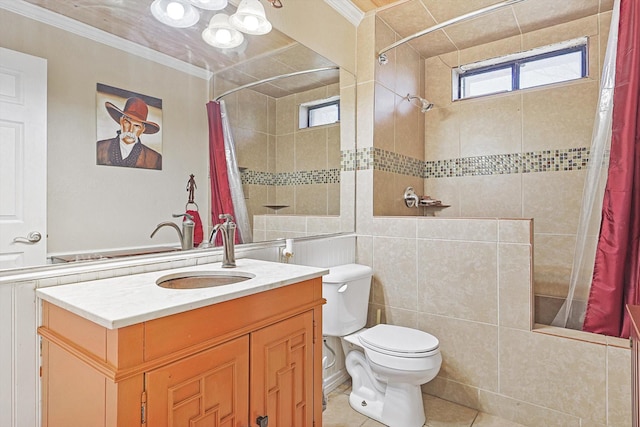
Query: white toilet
[387,363]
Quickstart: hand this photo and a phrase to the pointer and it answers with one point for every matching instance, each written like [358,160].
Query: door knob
[32,237]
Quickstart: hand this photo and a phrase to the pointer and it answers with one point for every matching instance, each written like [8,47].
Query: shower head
[424,104]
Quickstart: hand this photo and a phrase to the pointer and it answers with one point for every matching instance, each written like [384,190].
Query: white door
[23,159]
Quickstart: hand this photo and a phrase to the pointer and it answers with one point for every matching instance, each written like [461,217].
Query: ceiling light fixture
[175,13]
[210,4]
[250,18]
[223,31]
[221,34]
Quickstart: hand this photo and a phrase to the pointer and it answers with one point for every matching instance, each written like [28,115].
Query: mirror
[291,174]
[94,210]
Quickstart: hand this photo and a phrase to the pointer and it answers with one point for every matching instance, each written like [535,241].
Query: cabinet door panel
[282,372]
[208,389]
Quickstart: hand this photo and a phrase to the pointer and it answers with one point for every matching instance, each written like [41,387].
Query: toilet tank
[346,289]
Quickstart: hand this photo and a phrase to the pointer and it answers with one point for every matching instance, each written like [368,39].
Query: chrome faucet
[186,235]
[228,230]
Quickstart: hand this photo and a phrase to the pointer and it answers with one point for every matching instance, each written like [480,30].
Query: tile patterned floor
[440,413]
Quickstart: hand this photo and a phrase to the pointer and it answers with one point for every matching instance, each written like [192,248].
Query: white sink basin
[202,279]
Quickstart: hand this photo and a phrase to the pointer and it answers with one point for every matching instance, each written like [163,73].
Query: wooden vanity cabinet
[223,365]
[206,389]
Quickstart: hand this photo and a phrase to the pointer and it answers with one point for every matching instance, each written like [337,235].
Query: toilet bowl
[387,363]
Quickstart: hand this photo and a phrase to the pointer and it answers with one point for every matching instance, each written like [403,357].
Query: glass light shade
[250,18]
[223,36]
[219,33]
[175,10]
[175,13]
[210,4]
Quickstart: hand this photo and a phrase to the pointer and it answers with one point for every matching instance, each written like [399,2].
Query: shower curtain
[226,187]
[616,273]
[593,190]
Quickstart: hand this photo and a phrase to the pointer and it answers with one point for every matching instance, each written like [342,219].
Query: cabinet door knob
[263,421]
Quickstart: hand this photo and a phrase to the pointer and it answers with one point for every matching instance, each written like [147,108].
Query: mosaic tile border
[374,158]
[326,176]
[391,162]
[350,159]
[499,164]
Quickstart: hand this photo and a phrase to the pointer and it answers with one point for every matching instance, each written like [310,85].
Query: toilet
[387,363]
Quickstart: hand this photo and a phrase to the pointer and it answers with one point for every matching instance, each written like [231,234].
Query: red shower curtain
[221,201]
[616,271]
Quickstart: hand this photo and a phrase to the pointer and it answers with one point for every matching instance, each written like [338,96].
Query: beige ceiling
[275,53]
[368,5]
[259,58]
[407,17]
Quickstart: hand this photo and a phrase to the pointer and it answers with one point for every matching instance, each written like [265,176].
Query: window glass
[552,64]
[559,68]
[491,81]
[319,112]
[323,115]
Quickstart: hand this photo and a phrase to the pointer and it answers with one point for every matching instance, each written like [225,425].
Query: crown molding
[83,30]
[348,10]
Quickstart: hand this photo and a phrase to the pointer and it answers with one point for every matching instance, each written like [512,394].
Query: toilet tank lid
[347,273]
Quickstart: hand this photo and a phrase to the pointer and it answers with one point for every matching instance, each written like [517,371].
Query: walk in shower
[512,154]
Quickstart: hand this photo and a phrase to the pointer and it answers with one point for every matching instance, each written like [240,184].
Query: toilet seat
[399,341]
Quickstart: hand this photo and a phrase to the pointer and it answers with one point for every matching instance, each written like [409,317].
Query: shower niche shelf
[435,206]
[412,200]
[432,210]
[276,207]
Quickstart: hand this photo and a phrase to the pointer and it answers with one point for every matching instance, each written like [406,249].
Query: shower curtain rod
[382,58]
[270,79]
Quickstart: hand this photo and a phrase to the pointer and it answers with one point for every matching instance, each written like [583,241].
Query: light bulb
[175,10]
[251,22]
[223,36]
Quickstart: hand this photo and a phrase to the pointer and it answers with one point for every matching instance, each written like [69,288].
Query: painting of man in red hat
[131,113]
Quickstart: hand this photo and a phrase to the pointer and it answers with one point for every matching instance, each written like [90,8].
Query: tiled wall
[399,125]
[271,227]
[469,281]
[515,155]
[529,150]
[299,168]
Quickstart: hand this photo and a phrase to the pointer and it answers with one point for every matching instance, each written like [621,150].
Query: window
[552,64]
[320,112]
[553,69]
[486,82]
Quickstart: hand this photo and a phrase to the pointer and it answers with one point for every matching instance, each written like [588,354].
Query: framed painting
[129,129]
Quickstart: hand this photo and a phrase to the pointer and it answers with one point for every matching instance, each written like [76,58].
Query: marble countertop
[123,301]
